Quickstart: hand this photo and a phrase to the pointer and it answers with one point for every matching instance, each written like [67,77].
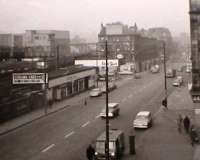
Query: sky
[84,17]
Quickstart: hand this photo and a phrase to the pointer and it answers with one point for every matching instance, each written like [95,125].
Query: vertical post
[97,64]
[57,57]
[107,119]
[45,88]
[165,74]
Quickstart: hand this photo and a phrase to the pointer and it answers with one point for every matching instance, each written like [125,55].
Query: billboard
[30,78]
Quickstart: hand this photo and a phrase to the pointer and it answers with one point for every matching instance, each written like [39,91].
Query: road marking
[124,99]
[48,148]
[84,125]
[97,116]
[130,96]
[68,135]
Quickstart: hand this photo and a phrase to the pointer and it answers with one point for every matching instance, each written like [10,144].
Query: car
[96,92]
[178,81]
[111,86]
[113,110]
[143,119]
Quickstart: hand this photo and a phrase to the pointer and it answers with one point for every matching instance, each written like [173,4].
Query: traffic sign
[30,78]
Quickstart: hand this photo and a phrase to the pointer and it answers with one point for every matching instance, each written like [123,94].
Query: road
[66,134]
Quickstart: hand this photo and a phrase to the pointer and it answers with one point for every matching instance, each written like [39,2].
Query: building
[128,42]
[11,46]
[195,45]
[46,43]
[67,82]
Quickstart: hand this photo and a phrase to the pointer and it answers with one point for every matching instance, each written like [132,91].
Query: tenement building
[195,48]
[130,44]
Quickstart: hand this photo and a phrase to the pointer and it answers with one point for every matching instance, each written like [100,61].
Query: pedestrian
[186,123]
[85,102]
[179,123]
[90,152]
[193,135]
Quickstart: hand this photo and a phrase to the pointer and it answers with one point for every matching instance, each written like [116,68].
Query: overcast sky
[85,16]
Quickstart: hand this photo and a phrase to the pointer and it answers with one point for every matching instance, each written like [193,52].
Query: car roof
[113,135]
[111,105]
[143,113]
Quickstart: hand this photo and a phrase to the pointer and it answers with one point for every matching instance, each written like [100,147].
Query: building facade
[195,47]
[128,42]
[46,43]
[11,46]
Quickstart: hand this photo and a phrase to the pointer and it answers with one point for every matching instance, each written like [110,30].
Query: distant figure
[85,102]
[179,123]
[193,135]
[90,152]
[186,123]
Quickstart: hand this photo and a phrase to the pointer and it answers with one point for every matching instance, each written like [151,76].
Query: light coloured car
[113,110]
[178,81]
[143,119]
[96,92]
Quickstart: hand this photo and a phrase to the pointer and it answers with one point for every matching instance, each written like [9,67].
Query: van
[116,145]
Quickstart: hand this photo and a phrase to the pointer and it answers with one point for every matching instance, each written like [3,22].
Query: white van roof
[143,113]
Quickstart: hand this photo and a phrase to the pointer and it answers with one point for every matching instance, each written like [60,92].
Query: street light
[107,118]
[164,102]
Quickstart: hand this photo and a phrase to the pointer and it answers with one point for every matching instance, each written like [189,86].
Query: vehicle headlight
[110,114]
[113,154]
[96,153]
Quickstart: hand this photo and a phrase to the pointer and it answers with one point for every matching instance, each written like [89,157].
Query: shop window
[75,86]
[81,84]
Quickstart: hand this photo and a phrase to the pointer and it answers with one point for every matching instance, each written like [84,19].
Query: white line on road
[84,125]
[68,135]
[48,148]
[130,96]
[124,99]
[97,116]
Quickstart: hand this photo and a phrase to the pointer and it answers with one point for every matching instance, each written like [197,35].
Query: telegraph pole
[107,119]
[164,54]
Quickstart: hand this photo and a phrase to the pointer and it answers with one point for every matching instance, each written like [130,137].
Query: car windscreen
[141,117]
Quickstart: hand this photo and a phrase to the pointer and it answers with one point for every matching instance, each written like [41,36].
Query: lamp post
[107,119]
[164,102]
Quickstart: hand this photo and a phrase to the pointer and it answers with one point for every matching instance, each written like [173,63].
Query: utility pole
[57,57]
[107,119]
[164,54]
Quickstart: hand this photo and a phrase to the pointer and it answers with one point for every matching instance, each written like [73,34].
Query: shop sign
[30,78]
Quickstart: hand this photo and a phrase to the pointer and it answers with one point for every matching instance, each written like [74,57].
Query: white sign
[197,111]
[30,78]
[99,63]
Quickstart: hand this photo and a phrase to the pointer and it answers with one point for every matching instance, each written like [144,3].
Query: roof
[143,113]
[113,135]
[111,105]
[68,71]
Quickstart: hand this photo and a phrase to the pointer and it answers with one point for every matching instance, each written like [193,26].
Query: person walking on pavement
[186,123]
[193,135]
[90,152]
[179,123]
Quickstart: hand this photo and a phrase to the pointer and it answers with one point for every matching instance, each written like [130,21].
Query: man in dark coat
[90,152]
[186,123]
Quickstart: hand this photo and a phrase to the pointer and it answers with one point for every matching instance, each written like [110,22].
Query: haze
[85,16]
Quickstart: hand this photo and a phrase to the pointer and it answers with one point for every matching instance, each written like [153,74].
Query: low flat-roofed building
[69,81]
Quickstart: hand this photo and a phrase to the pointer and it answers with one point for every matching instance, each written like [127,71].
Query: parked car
[111,86]
[96,92]
[113,110]
[143,119]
